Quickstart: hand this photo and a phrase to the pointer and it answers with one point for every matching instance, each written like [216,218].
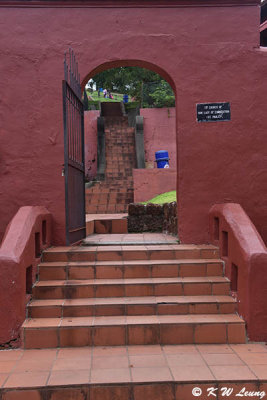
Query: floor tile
[41,354]
[9,355]
[7,366]
[71,377]
[27,379]
[144,349]
[109,351]
[110,362]
[75,353]
[254,358]
[142,361]
[3,377]
[249,348]
[72,364]
[191,374]
[160,374]
[180,349]
[110,375]
[185,360]
[27,365]
[214,348]
[222,359]
[260,371]
[232,372]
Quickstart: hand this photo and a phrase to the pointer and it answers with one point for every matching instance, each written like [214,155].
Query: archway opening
[130,122]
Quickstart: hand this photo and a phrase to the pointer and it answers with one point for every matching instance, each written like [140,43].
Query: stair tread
[133,300]
[130,262]
[131,281]
[132,320]
[125,247]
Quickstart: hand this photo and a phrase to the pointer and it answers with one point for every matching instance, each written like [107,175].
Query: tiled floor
[130,239]
[136,364]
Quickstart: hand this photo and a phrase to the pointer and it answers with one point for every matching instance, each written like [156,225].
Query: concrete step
[187,286]
[133,330]
[152,305]
[130,269]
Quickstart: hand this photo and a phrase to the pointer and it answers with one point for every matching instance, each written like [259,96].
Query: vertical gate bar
[82,159]
[75,129]
[72,129]
[66,157]
[79,133]
[79,154]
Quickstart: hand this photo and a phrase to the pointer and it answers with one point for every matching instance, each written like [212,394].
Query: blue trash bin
[125,98]
[162,159]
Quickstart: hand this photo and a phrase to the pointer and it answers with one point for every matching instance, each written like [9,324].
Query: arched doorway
[153,133]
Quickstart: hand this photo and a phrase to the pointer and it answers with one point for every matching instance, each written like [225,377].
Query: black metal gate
[73,151]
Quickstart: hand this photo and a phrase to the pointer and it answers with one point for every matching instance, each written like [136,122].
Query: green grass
[167,197]
[94,96]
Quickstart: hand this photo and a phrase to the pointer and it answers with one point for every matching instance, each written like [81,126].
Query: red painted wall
[207,54]
[245,251]
[159,133]
[148,183]
[28,234]
[90,143]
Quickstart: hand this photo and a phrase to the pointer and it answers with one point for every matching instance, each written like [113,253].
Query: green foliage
[167,197]
[145,86]
[163,95]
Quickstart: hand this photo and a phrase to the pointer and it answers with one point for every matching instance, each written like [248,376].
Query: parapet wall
[159,133]
[148,183]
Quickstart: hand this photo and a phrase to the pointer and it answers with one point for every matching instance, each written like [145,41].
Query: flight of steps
[131,295]
[114,193]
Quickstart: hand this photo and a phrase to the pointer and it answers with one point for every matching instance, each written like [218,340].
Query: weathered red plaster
[159,133]
[206,53]
[247,251]
[17,252]
[90,143]
[148,183]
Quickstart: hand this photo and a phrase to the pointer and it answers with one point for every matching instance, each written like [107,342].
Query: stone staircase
[114,193]
[131,295]
[139,321]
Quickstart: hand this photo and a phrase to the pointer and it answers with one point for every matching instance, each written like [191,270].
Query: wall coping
[126,3]
[241,226]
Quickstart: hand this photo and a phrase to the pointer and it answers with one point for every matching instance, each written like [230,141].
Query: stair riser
[119,272]
[130,255]
[166,390]
[130,290]
[142,334]
[133,309]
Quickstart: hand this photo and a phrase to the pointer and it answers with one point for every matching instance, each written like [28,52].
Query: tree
[144,85]
[163,95]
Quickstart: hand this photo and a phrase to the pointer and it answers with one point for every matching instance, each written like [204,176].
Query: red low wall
[148,183]
[245,257]
[159,133]
[26,236]
[90,143]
